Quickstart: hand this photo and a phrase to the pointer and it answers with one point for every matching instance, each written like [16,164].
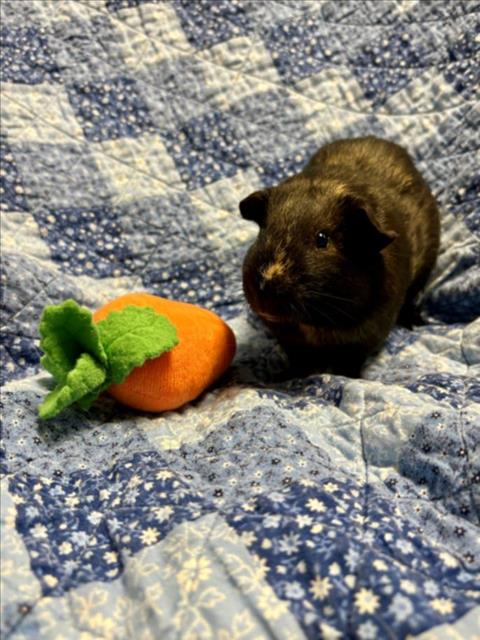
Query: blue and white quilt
[322,507]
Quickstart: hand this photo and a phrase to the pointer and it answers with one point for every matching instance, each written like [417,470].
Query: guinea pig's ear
[364,234]
[254,206]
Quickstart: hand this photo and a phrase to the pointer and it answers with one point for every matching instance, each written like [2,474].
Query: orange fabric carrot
[205,350]
[148,352]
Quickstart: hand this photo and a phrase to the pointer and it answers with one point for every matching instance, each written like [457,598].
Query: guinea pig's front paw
[410,316]
[348,369]
[289,373]
[347,361]
[301,364]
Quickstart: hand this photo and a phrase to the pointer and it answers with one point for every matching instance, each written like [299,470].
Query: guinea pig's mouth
[268,317]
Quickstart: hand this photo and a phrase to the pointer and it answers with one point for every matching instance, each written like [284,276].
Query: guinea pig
[343,249]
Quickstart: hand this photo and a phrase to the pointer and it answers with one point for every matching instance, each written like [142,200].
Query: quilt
[317,507]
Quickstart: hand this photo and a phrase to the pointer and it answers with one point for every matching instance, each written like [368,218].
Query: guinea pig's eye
[321,240]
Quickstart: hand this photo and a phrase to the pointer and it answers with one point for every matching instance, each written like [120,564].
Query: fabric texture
[318,507]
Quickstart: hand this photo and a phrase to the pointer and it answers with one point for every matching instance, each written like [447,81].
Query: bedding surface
[320,507]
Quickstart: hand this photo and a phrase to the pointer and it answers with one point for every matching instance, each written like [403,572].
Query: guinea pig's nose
[269,287]
[265,284]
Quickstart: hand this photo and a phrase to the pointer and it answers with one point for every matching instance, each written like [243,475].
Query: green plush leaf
[67,330]
[84,379]
[133,335]
[86,401]
[86,358]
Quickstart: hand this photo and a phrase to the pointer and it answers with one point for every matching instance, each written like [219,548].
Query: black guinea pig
[343,249]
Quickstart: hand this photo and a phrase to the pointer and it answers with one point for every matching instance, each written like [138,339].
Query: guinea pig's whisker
[328,296]
[326,316]
[322,294]
[335,309]
[320,312]
[344,313]
[296,308]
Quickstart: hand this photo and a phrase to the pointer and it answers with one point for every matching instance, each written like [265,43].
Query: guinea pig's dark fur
[343,249]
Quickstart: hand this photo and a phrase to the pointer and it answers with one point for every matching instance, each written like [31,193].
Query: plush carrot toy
[149,353]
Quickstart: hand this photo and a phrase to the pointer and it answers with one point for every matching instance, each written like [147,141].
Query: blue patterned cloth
[322,507]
